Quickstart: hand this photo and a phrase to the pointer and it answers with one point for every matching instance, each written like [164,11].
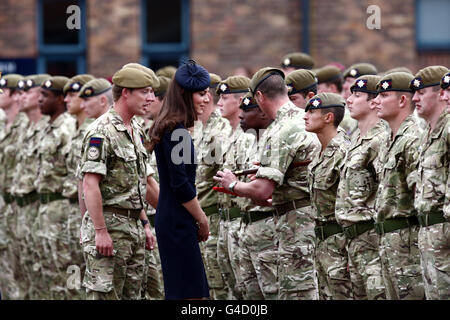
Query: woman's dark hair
[178,107]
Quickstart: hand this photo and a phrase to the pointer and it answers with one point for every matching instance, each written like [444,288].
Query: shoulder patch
[95,147]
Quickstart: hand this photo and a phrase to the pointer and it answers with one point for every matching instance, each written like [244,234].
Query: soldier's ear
[310,95]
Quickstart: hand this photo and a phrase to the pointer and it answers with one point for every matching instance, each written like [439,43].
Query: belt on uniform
[27,199]
[327,230]
[253,216]
[211,210]
[73,200]
[393,224]
[49,197]
[291,205]
[8,197]
[130,213]
[358,228]
[428,219]
[229,214]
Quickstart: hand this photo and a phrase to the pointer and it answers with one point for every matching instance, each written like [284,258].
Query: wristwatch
[144,222]
[232,185]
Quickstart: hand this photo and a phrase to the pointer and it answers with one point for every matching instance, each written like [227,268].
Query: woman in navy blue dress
[180,223]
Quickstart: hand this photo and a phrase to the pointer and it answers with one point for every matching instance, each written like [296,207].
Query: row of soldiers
[313,219]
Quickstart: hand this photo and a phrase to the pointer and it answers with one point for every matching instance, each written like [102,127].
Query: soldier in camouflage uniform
[258,249]
[349,124]
[14,279]
[302,86]
[231,91]
[53,216]
[23,188]
[210,141]
[358,184]
[287,143]
[115,176]
[445,91]
[70,184]
[329,79]
[296,61]
[432,189]
[396,219]
[331,256]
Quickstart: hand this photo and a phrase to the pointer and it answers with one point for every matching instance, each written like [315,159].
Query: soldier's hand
[150,239]
[104,243]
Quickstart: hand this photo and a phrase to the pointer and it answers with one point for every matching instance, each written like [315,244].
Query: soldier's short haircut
[313,89]
[117,92]
[338,113]
[272,87]
[371,96]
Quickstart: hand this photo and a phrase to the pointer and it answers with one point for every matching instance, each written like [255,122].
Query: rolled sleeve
[271,174]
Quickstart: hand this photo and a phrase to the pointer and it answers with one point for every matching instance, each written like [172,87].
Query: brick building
[221,35]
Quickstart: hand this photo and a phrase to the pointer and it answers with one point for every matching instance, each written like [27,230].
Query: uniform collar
[440,124]
[117,121]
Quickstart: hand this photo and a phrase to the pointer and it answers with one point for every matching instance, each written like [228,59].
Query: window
[164,32]
[432,31]
[61,50]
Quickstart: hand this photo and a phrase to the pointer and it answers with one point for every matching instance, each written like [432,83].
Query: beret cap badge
[48,83]
[353,72]
[30,83]
[417,82]
[21,84]
[76,86]
[362,83]
[2,82]
[287,62]
[246,101]
[223,87]
[446,79]
[88,91]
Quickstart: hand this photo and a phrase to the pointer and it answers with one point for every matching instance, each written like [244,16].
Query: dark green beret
[325,100]
[399,69]
[248,102]
[445,81]
[428,77]
[300,81]
[94,88]
[55,83]
[397,81]
[261,75]
[163,86]
[75,83]
[167,71]
[214,80]
[298,60]
[367,83]
[233,84]
[328,74]
[135,77]
[10,80]
[360,69]
[36,80]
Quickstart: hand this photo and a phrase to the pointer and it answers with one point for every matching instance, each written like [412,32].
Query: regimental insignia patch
[94,150]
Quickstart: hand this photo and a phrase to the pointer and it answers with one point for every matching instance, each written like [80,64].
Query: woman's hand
[203,228]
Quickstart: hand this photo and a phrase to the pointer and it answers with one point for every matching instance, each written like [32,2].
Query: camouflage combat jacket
[110,150]
[287,142]
[433,183]
[324,172]
[358,184]
[395,196]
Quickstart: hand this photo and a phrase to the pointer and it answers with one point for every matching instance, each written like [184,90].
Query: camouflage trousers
[365,267]
[259,260]
[296,270]
[56,243]
[228,257]
[434,245]
[8,287]
[400,259]
[331,262]
[152,288]
[119,276]
[217,285]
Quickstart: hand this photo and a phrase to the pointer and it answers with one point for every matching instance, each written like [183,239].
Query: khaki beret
[261,75]
[75,83]
[328,74]
[300,81]
[36,80]
[397,81]
[135,77]
[214,80]
[10,81]
[94,88]
[399,69]
[298,60]
[233,84]
[248,102]
[55,83]
[163,86]
[325,100]
[445,81]
[428,77]
[167,71]
[149,71]
[360,69]
[367,83]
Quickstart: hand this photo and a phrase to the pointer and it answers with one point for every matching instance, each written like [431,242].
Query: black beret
[192,76]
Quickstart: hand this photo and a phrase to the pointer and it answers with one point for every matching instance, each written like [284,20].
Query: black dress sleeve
[179,182]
